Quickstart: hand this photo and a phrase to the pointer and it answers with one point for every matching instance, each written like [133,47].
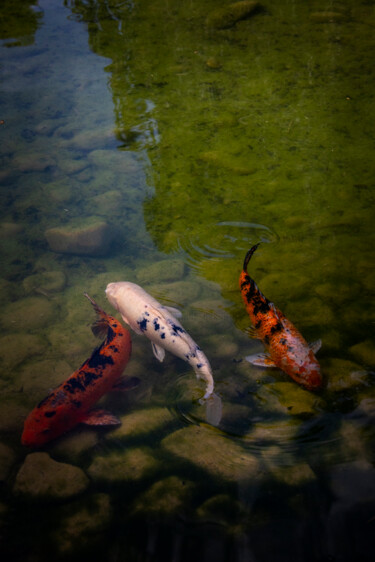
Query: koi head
[35,432]
[306,372]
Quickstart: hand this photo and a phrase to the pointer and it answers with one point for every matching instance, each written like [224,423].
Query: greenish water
[172,145]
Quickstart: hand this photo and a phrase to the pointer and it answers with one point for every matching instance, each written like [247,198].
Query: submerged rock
[168,497]
[219,456]
[83,525]
[142,422]
[45,283]
[364,352]
[127,466]
[227,16]
[91,237]
[42,477]
[28,314]
[15,348]
[222,510]
[162,271]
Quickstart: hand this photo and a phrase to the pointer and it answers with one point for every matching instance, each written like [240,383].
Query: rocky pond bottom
[166,485]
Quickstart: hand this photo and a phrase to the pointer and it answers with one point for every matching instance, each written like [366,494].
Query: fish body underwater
[71,402]
[145,315]
[286,347]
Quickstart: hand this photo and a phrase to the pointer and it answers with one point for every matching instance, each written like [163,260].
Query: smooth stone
[299,474]
[220,457]
[109,204]
[275,432]
[142,422]
[162,271]
[364,352]
[179,292]
[168,497]
[338,373]
[82,527]
[227,16]
[42,477]
[28,314]
[7,459]
[92,237]
[75,443]
[295,398]
[127,466]
[222,510]
[45,283]
[120,162]
[32,162]
[221,346]
[42,375]
[15,348]
[60,191]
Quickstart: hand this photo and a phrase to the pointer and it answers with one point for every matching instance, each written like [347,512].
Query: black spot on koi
[142,324]
[98,359]
[49,414]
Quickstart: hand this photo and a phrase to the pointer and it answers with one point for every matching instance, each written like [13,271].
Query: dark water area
[155,142]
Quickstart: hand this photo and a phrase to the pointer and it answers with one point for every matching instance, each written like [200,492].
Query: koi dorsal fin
[100,326]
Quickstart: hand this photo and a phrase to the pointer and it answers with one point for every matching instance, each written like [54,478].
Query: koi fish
[145,315]
[70,403]
[286,347]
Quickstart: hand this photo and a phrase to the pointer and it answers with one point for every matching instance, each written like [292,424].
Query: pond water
[155,142]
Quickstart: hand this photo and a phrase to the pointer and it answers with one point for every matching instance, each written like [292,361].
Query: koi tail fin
[248,256]
[100,326]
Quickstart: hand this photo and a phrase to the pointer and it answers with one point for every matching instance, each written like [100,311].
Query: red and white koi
[70,403]
[286,347]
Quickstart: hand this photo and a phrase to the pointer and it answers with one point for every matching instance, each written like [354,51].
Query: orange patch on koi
[70,403]
[286,347]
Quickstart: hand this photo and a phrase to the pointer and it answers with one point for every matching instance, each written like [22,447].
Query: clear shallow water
[191,143]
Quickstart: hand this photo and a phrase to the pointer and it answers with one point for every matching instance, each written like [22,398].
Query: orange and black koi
[70,403]
[286,347]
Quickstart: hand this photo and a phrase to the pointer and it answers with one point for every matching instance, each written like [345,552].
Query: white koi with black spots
[145,315]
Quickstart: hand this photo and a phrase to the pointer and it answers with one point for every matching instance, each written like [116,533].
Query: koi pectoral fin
[126,383]
[159,351]
[260,360]
[315,346]
[101,418]
[252,333]
[176,313]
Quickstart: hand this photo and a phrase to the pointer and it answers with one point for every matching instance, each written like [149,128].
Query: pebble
[142,422]
[364,352]
[15,348]
[92,237]
[220,457]
[45,283]
[28,314]
[165,498]
[124,466]
[227,16]
[84,525]
[163,271]
[43,478]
